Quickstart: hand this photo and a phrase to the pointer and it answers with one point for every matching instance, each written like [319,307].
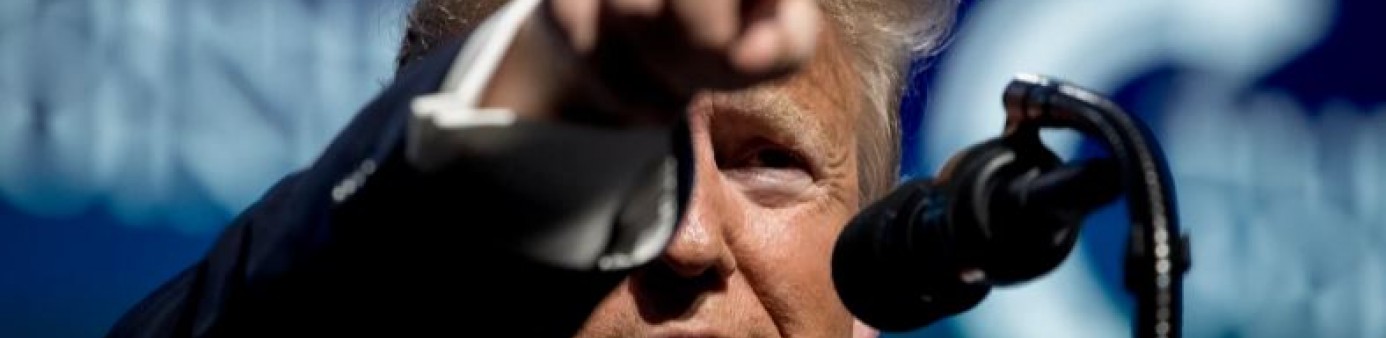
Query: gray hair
[885,36]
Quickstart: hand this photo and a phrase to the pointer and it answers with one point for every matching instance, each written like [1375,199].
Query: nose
[699,259]
[695,264]
[699,247]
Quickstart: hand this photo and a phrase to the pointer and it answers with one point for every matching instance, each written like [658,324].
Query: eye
[774,158]
[760,154]
[769,174]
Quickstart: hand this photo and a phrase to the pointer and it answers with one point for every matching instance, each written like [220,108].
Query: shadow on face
[776,181]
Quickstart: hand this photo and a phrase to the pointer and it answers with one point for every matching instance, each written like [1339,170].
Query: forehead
[821,103]
[817,111]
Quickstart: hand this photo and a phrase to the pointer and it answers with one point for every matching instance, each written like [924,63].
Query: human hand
[633,61]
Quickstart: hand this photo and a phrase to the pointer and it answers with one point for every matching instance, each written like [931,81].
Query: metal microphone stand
[1157,253]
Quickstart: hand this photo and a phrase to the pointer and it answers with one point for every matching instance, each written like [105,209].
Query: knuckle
[710,24]
[636,8]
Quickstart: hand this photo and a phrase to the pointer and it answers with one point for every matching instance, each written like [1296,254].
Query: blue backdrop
[132,129]
[1272,115]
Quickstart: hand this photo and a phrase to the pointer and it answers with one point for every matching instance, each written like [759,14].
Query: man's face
[776,182]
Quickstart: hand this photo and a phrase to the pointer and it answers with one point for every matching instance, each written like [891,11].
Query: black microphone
[934,248]
[1001,212]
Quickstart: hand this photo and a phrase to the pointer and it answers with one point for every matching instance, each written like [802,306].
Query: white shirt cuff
[456,104]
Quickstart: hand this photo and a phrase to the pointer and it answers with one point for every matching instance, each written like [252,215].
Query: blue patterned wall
[132,129]
[1273,115]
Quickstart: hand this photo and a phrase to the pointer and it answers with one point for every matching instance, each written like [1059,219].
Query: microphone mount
[1157,253]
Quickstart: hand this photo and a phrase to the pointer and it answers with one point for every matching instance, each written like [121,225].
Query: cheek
[789,234]
[787,260]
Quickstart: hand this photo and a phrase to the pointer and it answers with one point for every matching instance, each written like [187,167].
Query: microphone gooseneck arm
[1008,210]
[1157,253]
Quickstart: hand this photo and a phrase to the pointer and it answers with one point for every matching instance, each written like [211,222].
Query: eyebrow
[785,119]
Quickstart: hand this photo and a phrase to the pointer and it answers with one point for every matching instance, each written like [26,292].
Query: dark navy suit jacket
[314,257]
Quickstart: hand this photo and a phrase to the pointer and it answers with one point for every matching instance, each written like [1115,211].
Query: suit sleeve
[363,241]
[290,228]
